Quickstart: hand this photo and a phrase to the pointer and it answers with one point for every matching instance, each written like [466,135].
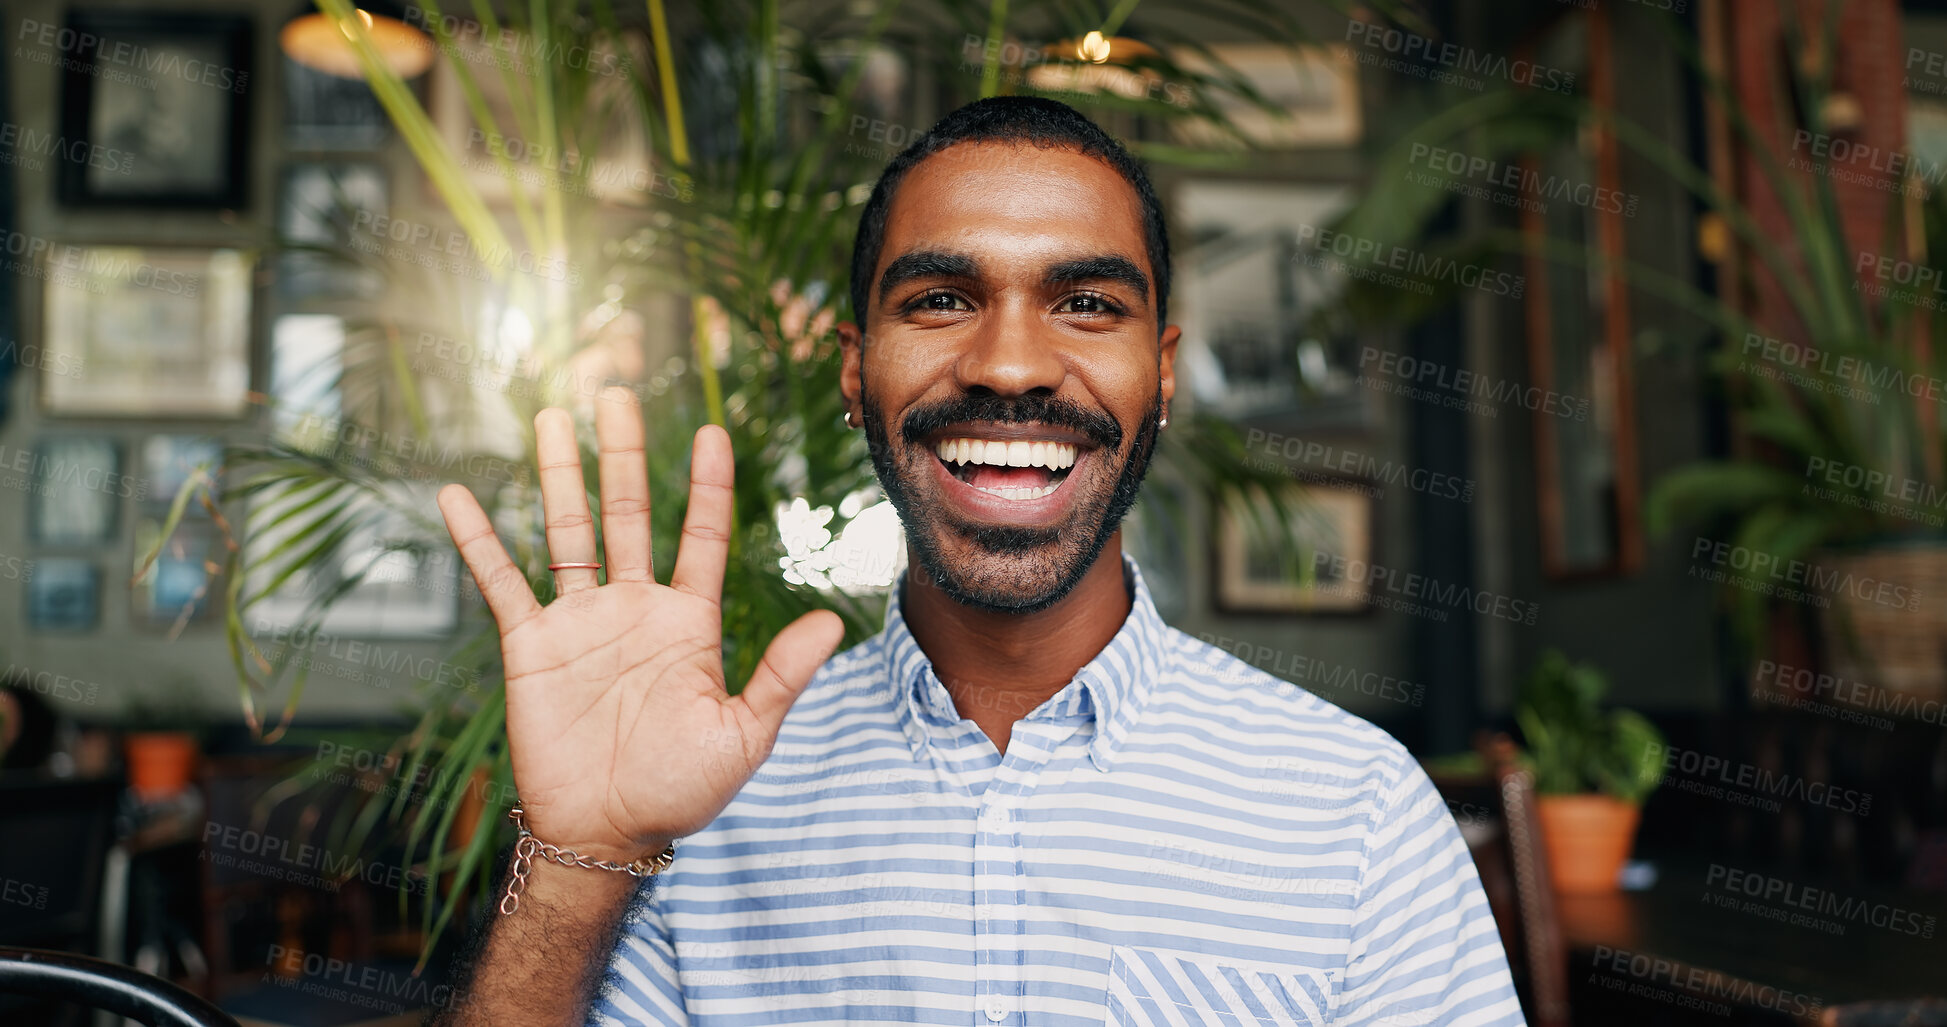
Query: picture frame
[1316,87]
[1258,338]
[64,595]
[306,369]
[158,333]
[409,583]
[620,173]
[318,206]
[1257,570]
[77,489]
[160,105]
[181,586]
[167,463]
[324,112]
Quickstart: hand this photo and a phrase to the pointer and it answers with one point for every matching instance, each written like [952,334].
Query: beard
[1005,568]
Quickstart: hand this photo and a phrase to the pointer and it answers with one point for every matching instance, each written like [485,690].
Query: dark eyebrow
[926,264]
[1109,268]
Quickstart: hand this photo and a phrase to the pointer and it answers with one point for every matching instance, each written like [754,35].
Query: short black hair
[1020,119]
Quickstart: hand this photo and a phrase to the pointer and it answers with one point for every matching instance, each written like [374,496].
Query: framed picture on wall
[394,576]
[154,332]
[1314,556]
[77,490]
[180,587]
[328,112]
[316,215]
[159,105]
[64,595]
[618,170]
[167,463]
[1312,93]
[1261,333]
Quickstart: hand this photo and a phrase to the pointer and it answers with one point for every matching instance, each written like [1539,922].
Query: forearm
[540,964]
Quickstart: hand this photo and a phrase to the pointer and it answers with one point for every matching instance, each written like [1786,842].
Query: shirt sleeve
[641,986]
[1424,947]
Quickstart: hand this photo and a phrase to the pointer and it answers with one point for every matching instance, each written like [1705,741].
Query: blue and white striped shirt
[1174,837]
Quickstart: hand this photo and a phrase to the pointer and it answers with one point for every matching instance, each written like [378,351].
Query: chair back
[100,984]
[58,832]
[1544,946]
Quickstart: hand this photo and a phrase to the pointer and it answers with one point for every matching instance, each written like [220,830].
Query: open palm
[622,732]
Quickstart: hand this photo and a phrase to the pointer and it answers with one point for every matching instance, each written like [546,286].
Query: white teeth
[1022,494]
[1054,456]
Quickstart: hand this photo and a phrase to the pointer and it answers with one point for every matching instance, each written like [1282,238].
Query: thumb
[789,662]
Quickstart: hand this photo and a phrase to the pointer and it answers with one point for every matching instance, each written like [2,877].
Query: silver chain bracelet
[529,846]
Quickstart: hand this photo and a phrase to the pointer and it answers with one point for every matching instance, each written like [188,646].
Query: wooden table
[1717,942]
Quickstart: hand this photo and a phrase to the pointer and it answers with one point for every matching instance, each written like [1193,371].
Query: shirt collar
[1112,686]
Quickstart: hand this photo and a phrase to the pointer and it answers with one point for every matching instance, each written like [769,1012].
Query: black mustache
[1094,425]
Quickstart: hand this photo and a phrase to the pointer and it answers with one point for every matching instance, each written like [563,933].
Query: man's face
[1012,374]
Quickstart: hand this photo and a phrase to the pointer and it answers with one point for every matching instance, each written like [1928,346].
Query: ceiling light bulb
[1094,47]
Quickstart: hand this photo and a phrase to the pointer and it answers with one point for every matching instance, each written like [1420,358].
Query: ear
[1166,362]
[851,349]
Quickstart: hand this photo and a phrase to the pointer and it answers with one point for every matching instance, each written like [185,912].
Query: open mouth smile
[1017,470]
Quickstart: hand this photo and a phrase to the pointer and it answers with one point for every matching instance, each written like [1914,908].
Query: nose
[1011,352]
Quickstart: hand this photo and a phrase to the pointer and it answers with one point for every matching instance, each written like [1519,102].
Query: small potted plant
[162,743]
[1593,768]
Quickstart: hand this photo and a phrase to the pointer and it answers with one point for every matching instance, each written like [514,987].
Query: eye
[939,301]
[1090,303]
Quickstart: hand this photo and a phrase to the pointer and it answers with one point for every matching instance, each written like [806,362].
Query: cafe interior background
[1563,393]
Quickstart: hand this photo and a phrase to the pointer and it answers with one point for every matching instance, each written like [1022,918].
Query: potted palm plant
[1593,768]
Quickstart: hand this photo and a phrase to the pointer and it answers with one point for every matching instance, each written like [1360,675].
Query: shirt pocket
[1156,988]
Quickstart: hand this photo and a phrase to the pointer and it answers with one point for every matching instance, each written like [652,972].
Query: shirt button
[993,821]
[996,1010]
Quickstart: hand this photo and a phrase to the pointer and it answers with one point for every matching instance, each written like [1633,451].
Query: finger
[504,586]
[564,500]
[625,486]
[706,525]
[789,662]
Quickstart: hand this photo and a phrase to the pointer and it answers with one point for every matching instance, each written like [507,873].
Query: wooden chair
[56,889]
[1544,948]
[1496,813]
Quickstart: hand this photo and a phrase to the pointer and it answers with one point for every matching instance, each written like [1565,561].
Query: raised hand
[622,732]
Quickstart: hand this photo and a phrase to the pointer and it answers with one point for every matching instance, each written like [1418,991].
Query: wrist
[530,850]
[615,850]
[595,856]
[551,885]
[620,855]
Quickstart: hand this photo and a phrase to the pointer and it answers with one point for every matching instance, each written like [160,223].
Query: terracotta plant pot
[1588,838]
[159,762]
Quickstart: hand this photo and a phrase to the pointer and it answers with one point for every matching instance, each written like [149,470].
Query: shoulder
[1301,735]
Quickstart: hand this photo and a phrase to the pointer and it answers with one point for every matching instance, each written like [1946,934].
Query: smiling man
[1027,800]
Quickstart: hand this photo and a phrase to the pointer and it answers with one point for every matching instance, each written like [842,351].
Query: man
[1026,800]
